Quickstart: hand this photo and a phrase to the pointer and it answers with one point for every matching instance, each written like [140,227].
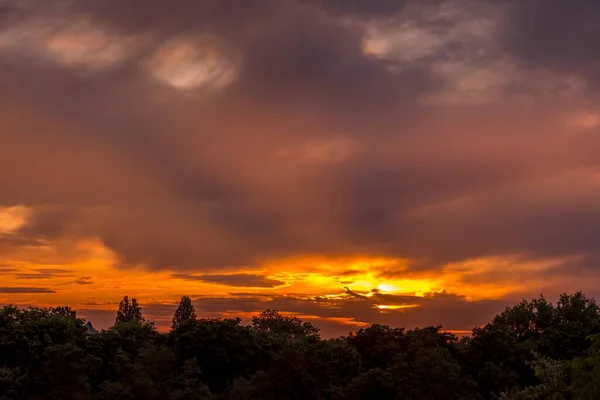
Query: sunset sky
[406,162]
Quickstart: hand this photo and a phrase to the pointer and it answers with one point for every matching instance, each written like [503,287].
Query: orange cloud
[92,279]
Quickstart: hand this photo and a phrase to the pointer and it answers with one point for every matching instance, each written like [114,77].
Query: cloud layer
[215,138]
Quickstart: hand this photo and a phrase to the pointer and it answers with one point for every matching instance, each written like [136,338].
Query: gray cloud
[364,8]
[154,15]
[85,280]
[13,290]
[44,273]
[451,311]
[238,280]
[555,34]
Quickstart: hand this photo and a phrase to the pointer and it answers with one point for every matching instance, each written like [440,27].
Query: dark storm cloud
[556,34]
[15,290]
[298,44]
[286,45]
[238,280]
[155,15]
[185,15]
[190,180]
[364,7]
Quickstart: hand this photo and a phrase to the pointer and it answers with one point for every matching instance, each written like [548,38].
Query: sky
[403,162]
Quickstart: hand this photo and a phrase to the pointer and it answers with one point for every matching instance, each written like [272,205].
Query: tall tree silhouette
[184,312]
[129,311]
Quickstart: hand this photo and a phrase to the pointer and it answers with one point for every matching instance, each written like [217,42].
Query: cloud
[564,35]
[14,290]
[216,138]
[451,311]
[216,207]
[366,7]
[238,280]
[12,218]
[335,314]
[85,280]
[44,273]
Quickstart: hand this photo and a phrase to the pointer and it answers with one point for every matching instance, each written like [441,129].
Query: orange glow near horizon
[92,280]
[325,277]
[397,307]
[89,276]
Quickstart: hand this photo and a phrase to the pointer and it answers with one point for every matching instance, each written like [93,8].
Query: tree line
[532,350]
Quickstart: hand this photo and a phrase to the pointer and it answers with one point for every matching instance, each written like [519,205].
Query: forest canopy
[532,350]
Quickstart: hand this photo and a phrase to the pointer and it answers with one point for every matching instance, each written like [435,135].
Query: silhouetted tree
[554,383]
[41,354]
[129,311]
[67,369]
[586,372]
[534,350]
[377,345]
[373,384]
[502,355]
[189,384]
[184,312]
[271,321]
[222,348]
[64,310]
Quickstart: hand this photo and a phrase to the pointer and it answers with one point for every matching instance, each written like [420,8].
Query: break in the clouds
[212,138]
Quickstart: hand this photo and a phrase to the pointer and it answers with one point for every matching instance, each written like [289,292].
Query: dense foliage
[533,350]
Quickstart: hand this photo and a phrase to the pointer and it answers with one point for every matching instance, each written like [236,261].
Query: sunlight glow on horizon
[395,307]
[107,282]
[87,275]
